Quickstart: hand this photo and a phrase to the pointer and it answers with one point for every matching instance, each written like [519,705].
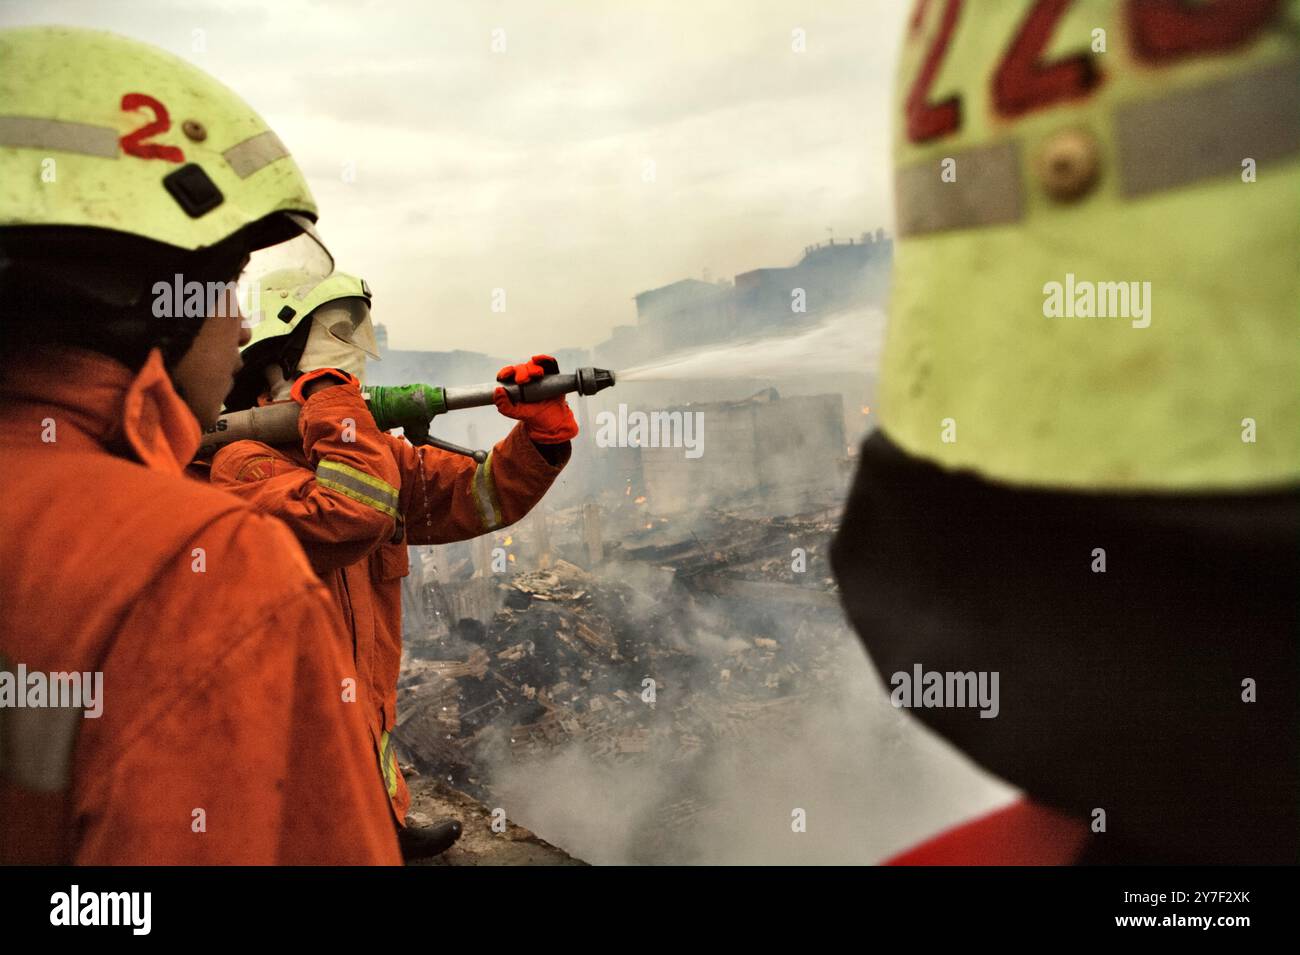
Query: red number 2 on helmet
[133,144]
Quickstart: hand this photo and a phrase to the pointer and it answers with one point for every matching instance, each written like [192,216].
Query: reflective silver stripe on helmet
[1208,130]
[254,153]
[1173,140]
[988,192]
[31,132]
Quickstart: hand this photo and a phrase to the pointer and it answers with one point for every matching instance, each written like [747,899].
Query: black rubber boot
[426,842]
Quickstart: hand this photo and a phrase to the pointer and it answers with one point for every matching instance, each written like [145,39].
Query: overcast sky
[526,169]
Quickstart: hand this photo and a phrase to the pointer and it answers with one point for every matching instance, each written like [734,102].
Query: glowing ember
[866,409]
[640,500]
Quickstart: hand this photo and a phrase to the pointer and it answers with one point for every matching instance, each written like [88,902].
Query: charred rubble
[676,638]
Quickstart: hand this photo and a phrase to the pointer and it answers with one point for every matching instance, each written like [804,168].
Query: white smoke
[870,782]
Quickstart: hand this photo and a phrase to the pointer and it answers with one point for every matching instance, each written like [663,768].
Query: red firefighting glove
[545,422]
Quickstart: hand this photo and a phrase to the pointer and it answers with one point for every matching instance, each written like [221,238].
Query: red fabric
[1023,833]
[222,662]
[360,552]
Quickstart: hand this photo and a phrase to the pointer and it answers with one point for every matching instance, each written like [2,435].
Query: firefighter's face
[206,372]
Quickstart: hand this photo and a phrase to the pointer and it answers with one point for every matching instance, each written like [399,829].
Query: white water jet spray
[848,341]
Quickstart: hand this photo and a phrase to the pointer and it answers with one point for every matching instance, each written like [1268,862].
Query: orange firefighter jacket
[222,734]
[355,497]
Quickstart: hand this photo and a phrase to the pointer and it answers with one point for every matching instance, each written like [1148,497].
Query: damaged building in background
[780,456]
[690,313]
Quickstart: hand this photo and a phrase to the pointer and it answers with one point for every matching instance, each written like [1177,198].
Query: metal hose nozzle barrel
[584,381]
[278,423]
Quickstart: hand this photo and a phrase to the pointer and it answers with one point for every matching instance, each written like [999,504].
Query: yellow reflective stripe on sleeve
[383,487]
[357,495]
[388,763]
[485,495]
[358,485]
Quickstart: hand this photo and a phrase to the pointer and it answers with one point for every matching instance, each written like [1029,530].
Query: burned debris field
[661,691]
